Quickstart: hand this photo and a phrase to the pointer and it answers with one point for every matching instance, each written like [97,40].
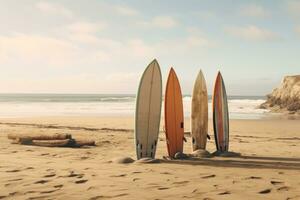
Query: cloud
[30,49]
[165,22]
[254,10]
[83,31]
[205,15]
[126,11]
[21,50]
[294,8]
[162,22]
[85,27]
[252,32]
[54,9]
[122,77]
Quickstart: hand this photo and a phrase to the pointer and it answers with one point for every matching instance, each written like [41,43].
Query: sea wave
[103,105]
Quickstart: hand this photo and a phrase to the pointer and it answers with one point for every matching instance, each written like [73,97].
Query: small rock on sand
[124,160]
[180,155]
[148,160]
[201,153]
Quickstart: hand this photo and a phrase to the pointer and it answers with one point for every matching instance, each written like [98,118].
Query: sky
[77,46]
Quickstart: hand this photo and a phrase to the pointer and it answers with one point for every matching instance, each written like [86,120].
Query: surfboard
[199,113]
[220,115]
[148,111]
[174,124]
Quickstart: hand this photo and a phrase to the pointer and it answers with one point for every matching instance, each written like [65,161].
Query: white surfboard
[148,111]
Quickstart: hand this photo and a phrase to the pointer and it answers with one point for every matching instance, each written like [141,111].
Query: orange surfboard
[174,126]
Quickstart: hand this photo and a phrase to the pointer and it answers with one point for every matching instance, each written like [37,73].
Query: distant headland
[286,97]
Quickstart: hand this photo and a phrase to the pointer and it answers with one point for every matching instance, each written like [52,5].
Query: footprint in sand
[224,193]
[108,197]
[135,179]
[2,197]
[276,182]
[253,177]
[41,182]
[58,186]
[17,179]
[180,182]
[13,171]
[73,174]
[266,191]
[120,175]
[283,189]
[29,168]
[81,181]
[163,188]
[209,176]
[48,191]
[91,188]
[166,173]
[49,175]
[30,192]
[136,172]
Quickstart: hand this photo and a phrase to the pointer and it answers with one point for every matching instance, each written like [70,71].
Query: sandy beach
[269,167]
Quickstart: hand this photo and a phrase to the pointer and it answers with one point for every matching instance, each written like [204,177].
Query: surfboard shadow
[271,158]
[238,163]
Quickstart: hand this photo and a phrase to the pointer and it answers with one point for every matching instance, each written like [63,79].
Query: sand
[269,167]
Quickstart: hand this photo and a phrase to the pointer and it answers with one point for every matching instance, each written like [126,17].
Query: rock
[201,153]
[124,160]
[180,155]
[148,160]
[285,98]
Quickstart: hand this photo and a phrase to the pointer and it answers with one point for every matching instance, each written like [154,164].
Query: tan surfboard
[199,113]
[148,111]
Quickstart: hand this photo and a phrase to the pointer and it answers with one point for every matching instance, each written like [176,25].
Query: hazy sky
[103,46]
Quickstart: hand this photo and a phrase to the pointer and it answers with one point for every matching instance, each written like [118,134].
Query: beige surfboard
[148,111]
[199,113]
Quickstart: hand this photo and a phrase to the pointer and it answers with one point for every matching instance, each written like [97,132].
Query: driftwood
[52,143]
[56,136]
[49,140]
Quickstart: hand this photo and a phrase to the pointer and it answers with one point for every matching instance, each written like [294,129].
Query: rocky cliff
[285,98]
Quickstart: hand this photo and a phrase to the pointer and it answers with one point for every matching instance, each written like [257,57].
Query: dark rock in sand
[180,155]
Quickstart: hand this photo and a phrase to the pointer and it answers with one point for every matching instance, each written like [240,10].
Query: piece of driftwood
[52,143]
[55,136]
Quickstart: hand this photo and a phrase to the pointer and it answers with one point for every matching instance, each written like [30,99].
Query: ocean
[33,105]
